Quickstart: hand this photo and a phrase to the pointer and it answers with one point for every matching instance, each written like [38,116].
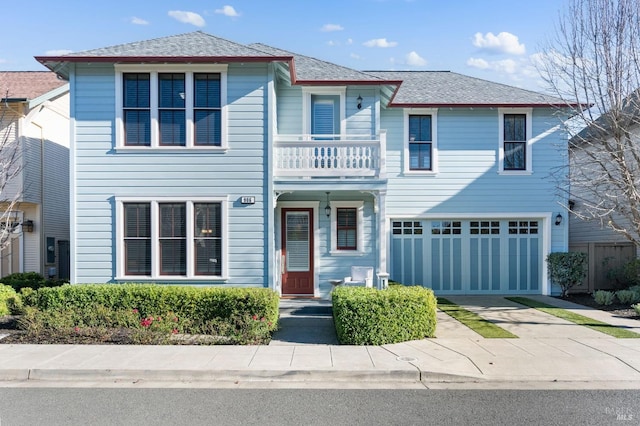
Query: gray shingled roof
[312,69]
[191,44]
[449,88]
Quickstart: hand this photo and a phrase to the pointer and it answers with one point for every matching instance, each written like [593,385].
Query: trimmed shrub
[7,297]
[198,304]
[636,308]
[604,297]
[627,296]
[625,275]
[567,269]
[34,280]
[366,316]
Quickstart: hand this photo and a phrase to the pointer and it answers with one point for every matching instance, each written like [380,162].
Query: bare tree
[593,64]
[10,168]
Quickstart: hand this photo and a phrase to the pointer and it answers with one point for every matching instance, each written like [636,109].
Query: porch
[335,156]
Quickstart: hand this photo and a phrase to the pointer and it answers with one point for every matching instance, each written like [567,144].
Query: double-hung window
[171,107]
[347,227]
[420,141]
[171,238]
[515,133]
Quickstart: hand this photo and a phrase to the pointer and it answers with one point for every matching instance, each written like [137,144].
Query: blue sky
[496,40]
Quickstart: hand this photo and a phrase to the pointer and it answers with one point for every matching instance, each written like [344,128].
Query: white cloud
[331,27]
[478,63]
[227,11]
[187,17]
[349,41]
[415,60]
[58,52]
[507,66]
[380,42]
[333,43]
[355,56]
[139,21]
[501,43]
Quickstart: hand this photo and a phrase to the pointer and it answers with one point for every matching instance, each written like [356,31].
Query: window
[420,142]
[515,133]
[346,228]
[171,107]
[172,238]
[420,146]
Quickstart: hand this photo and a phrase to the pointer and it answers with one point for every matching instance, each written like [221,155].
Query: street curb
[210,375]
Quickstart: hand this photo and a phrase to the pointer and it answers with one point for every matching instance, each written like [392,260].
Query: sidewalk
[548,351]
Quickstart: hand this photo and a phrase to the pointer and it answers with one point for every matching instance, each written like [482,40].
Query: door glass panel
[297,241]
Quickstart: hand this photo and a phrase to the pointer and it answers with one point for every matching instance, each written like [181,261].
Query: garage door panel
[469,256]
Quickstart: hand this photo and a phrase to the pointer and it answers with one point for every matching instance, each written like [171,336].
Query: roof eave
[346,82]
[478,105]
[164,59]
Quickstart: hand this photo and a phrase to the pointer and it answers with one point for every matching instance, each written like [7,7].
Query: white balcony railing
[329,155]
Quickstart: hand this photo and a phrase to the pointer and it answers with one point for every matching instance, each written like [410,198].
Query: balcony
[330,156]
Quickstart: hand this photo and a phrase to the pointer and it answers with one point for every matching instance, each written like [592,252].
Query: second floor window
[171,109]
[420,139]
[515,141]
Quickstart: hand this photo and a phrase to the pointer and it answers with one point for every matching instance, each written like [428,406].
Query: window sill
[515,172]
[346,253]
[160,278]
[171,149]
[420,173]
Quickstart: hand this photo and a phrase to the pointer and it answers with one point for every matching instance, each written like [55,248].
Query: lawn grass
[593,324]
[473,321]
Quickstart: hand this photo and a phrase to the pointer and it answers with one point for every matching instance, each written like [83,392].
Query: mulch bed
[617,309]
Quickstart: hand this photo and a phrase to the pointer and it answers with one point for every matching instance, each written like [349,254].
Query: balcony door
[325,115]
[297,252]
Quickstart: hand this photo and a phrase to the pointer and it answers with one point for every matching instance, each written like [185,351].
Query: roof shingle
[27,84]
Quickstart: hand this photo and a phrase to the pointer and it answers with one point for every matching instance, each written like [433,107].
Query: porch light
[27,226]
[359,99]
[327,208]
[558,219]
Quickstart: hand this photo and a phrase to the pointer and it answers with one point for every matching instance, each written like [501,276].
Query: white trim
[529,143]
[433,112]
[315,205]
[359,205]
[153,71]
[155,256]
[329,90]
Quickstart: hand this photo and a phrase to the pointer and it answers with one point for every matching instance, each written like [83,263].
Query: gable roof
[626,116]
[21,86]
[313,70]
[446,88]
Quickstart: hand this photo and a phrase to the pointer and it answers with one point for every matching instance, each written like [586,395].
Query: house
[607,249]
[34,131]
[198,160]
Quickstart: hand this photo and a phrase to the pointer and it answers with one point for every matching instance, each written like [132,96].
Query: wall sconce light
[327,208]
[359,99]
[558,219]
[27,226]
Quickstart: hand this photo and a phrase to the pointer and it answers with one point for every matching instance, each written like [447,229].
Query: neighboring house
[35,202]
[606,248]
[197,160]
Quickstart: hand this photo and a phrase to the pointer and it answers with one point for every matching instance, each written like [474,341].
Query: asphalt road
[95,406]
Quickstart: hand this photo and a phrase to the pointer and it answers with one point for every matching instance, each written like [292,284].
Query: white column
[383,234]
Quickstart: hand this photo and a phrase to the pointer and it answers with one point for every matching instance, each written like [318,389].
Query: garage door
[468,256]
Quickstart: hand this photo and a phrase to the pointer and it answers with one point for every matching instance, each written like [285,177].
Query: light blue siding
[102,174]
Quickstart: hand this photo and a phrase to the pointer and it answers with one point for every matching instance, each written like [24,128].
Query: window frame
[155,202]
[527,112]
[359,206]
[307,95]
[154,71]
[433,112]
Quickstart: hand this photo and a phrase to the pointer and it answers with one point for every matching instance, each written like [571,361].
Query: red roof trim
[166,59]
[349,82]
[434,105]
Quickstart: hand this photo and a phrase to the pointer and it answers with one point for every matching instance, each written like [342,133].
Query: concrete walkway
[549,353]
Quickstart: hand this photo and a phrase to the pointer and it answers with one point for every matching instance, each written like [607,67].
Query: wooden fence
[603,257]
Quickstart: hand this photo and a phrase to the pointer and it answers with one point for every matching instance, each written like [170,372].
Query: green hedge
[365,316]
[196,303]
[20,280]
[6,293]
